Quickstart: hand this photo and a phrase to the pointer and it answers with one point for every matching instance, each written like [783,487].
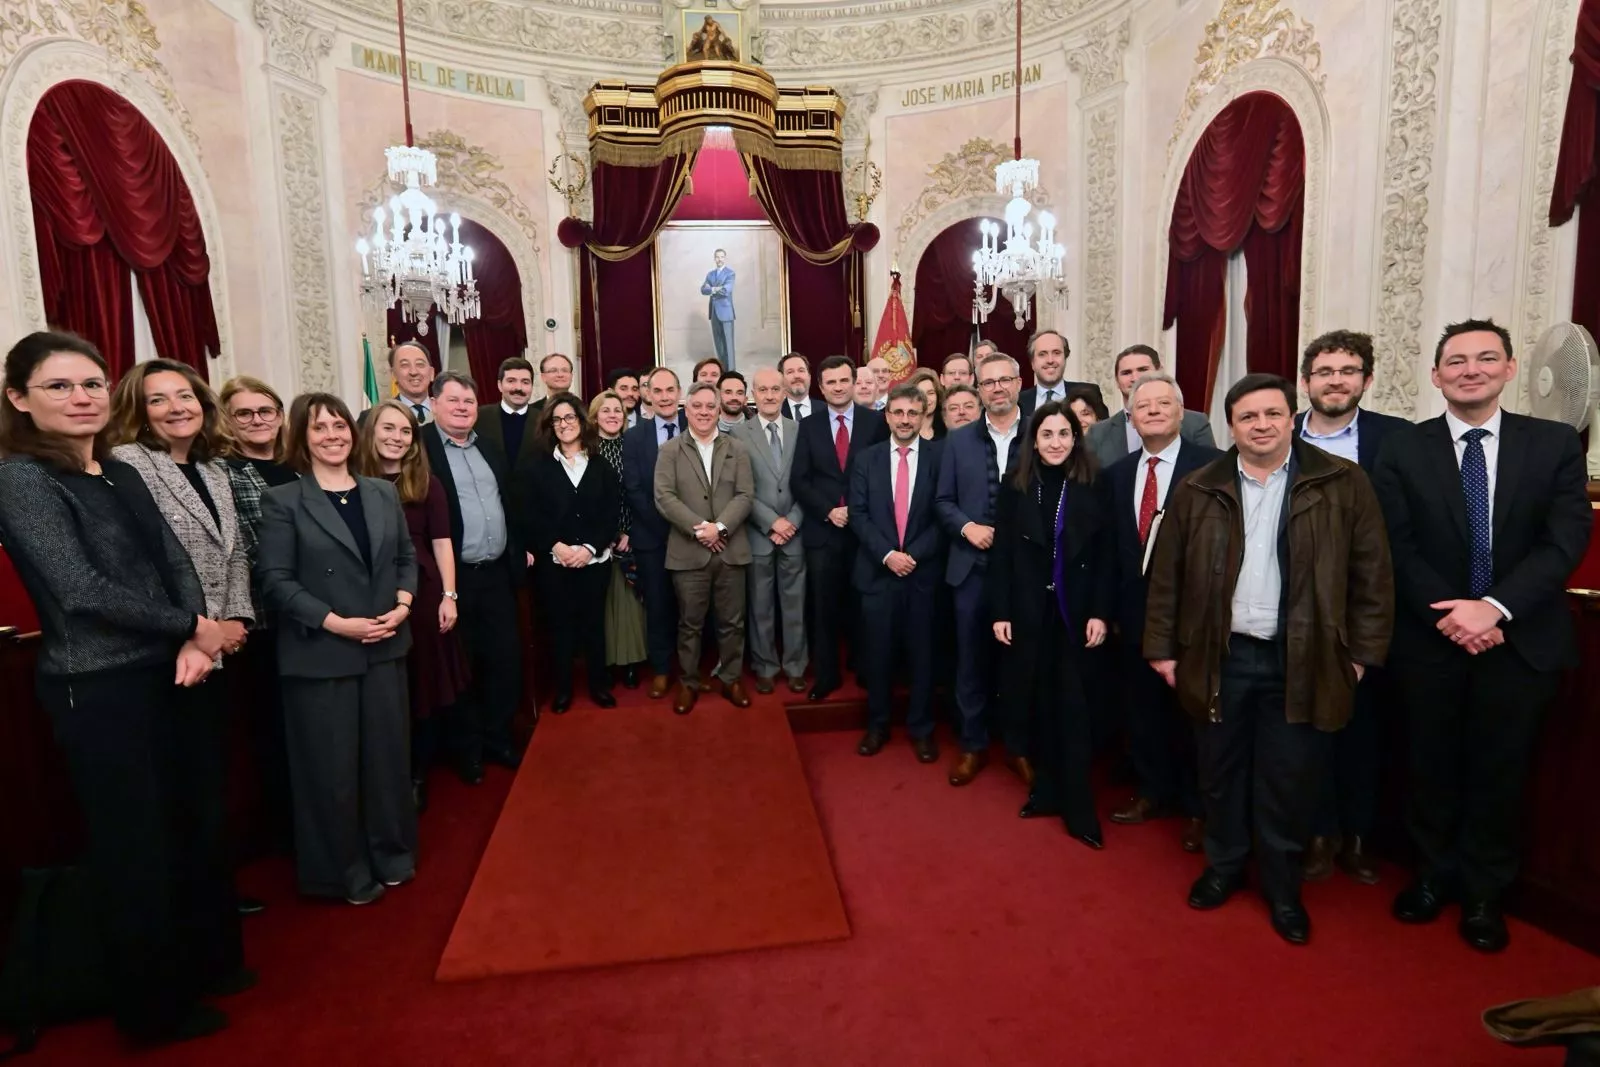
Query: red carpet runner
[635,834]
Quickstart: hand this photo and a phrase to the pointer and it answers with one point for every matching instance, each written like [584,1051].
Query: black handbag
[55,971]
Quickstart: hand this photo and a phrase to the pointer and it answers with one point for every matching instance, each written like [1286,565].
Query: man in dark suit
[976,457]
[648,535]
[797,400]
[489,535]
[1488,515]
[1137,487]
[1113,438]
[1047,352]
[555,374]
[897,568]
[624,381]
[1336,371]
[829,442]
[507,425]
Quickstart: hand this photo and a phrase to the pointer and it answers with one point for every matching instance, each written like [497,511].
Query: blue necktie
[1475,487]
[671,428]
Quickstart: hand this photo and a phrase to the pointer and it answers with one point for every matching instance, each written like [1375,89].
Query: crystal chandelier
[413,264]
[1022,267]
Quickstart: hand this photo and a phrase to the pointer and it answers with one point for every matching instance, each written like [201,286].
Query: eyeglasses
[1327,374]
[255,414]
[990,383]
[562,420]
[61,389]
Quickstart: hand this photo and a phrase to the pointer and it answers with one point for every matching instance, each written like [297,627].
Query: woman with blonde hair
[625,622]
[389,447]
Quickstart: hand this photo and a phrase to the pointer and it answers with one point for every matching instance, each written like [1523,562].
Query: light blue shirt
[661,428]
[1259,589]
[1041,393]
[849,414]
[483,517]
[1345,443]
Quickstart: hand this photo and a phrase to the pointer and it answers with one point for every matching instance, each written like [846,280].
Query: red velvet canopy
[1578,164]
[1242,189]
[108,198]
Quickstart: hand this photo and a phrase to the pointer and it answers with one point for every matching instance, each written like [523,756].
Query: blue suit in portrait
[719,287]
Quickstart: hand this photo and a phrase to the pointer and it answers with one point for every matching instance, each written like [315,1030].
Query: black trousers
[1060,726]
[660,608]
[834,604]
[576,599]
[491,637]
[148,763]
[1259,772]
[1472,723]
[894,622]
[1161,742]
[1349,801]
[250,681]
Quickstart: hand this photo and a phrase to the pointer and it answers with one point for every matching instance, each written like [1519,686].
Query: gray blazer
[217,547]
[310,566]
[1108,440]
[773,499]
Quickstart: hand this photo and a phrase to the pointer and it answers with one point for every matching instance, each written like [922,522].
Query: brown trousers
[717,586]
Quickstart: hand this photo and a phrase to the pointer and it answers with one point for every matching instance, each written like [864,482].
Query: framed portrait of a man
[711,30]
[721,291]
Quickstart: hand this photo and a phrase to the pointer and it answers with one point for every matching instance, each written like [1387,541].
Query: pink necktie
[902,494]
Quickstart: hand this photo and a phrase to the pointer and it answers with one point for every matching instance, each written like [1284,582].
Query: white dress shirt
[894,472]
[1166,461]
[1491,463]
[574,466]
[706,449]
[1257,593]
[426,403]
[509,410]
[800,408]
[1002,442]
[1344,443]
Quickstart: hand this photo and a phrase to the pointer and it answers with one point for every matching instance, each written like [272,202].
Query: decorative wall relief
[966,172]
[1412,123]
[596,30]
[1098,62]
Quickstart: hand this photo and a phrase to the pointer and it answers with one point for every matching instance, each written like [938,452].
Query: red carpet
[977,939]
[635,834]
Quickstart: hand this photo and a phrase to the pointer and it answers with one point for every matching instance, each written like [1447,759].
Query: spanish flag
[893,343]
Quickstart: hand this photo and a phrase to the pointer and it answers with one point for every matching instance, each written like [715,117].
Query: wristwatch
[451,594]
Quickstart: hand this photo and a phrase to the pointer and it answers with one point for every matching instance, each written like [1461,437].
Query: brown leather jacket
[1338,586]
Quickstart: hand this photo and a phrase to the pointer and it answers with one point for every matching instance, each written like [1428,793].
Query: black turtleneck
[1051,480]
[513,426]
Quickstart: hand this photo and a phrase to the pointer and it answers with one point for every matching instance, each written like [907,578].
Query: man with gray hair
[1113,438]
[1160,743]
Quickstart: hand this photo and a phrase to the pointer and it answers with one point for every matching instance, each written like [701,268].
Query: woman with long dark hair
[1050,592]
[126,627]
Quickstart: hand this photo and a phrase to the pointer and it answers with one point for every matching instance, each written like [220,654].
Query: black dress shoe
[250,906]
[603,699]
[1035,809]
[561,704]
[1420,902]
[1092,839]
[470,771]
[201,1020]
[419,794]
[1291,923]
[1483,927]
[925,748]
[820,691]
[630,676]
[503,754]
[872,742]
[1212,889]
[233,983]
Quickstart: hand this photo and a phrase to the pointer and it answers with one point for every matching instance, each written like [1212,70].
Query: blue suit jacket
[639,450]
[872,518]
[964,492]
[720,307]
[1372,429]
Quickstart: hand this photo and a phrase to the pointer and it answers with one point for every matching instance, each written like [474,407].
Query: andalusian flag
[369,375]
[893,343]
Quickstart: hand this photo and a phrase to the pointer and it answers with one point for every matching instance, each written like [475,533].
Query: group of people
[1248,618]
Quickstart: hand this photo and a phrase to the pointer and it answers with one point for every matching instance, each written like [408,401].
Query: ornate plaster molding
[124,38]
[966,173]
[1412,123]
[1098,61]
[302,199]
[296,39]
[610,31]
[860,104]
[1246,30]
[28,76]
[1302,90]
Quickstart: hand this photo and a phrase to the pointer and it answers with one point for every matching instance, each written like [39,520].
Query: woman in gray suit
[338,568]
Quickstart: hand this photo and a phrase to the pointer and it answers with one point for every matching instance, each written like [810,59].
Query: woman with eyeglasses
[576,510]
[626,646]
[127,630]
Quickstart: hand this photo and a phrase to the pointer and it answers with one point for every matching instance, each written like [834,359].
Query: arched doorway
[941,320]
[116,224]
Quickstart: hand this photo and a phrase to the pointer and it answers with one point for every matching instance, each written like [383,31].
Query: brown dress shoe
[1019,766]
[659,686]
[797,684]
[1142,810]
[1318,864]
[1355,861]
[968,766]
[1194,835]
[735,693]
[683,703]
[764,685]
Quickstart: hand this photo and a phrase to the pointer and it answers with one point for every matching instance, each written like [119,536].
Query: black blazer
[788,407]
[310,565]
[514,504]
[1542,521]
[1116,485]
[639,451]
[586,514]
[1020,561]
[1373,429]
[872,518]
[815,477]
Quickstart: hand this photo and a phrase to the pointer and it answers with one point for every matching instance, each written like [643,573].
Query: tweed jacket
[685,498]
[216,547]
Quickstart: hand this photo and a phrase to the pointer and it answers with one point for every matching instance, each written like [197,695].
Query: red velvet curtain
[501,331]
[806,207]
[822,320]
[1578,164]
[1242,189]
[625,335]
[109,197]
[941,313]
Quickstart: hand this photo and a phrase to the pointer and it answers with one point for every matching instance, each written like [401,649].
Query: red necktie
[841,448]
[902,494]
[1147,502]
